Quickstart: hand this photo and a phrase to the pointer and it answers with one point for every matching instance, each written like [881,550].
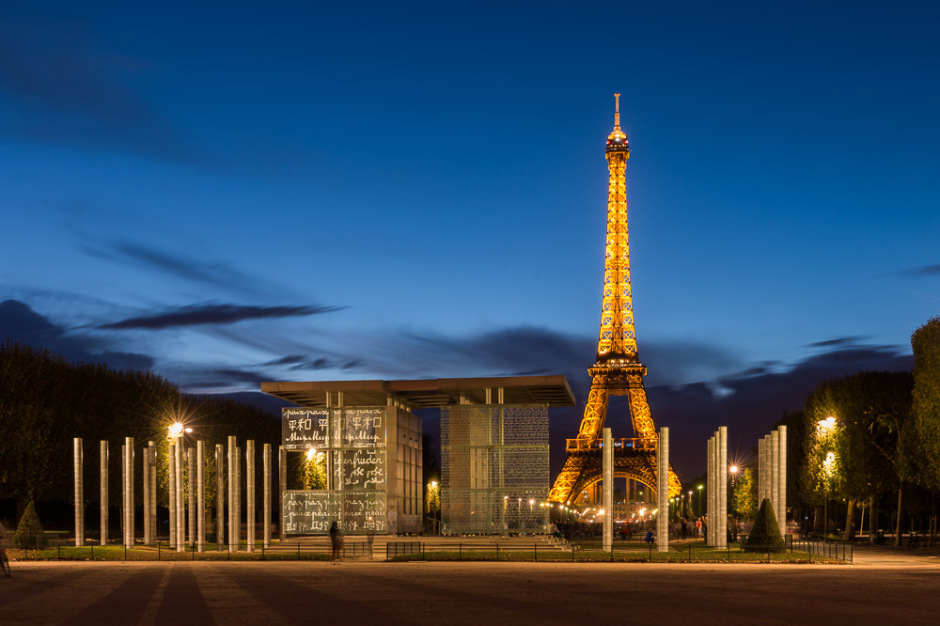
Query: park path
[234,593]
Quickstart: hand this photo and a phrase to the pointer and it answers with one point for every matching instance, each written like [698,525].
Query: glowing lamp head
[176,430]
[311,453]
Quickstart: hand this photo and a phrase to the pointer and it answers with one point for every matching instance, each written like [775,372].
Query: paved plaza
[891,588]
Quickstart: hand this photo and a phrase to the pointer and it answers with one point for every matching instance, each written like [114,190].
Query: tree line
[866,445]
[45,401]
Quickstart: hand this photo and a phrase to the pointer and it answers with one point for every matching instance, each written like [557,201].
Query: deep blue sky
[312,191]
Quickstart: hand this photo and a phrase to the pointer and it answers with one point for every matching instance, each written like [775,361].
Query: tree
[854,430]
[29,532]
[922,459]
[765,535]
[744,499]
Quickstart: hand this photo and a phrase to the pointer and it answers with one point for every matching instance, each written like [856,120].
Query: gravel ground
[875,590]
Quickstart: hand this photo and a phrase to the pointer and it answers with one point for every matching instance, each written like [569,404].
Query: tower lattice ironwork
[617,370]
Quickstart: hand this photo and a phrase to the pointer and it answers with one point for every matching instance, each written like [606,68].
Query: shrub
[765,536]
[29,532]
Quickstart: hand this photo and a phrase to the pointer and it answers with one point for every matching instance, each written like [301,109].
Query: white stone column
[721,526]
[608,489]
[662,491]
[267,495]
[774,485]
[171,492]
[710,493]
[250,488]
[191,493]
[129,498]
[103,491]
[180,503]
[152,447]
[79,469]
[145,482]
[219,495]
[231,493]
[760,471]
[781,458]
[201,495]
[238,497]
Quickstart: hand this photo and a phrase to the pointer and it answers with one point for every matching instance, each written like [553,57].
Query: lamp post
[700,499]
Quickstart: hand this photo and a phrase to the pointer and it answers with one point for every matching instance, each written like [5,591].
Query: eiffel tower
[617,370]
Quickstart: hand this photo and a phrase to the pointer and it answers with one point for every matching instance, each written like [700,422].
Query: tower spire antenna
[617,111]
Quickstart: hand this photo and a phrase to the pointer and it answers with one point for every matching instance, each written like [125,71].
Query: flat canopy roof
[426,394]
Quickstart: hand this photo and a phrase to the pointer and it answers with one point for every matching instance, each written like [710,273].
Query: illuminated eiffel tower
[617,370]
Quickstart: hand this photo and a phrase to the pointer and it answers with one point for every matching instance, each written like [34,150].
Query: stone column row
[195,466]
[772,473]
[717,485]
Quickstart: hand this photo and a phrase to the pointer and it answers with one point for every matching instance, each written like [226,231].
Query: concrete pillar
[231,493]
[774,485]
[152,447]
[662,491]
[238,497]
[267,495]
[171,493]
[201,493]
[129,491]
[608,493]
[103,491]
[79,469]
[710,489]
[250,488]
[145,483]
[781,460]
[219,495]
[721,530]
[282,487]
[180,498]
[191,483]
[760,471]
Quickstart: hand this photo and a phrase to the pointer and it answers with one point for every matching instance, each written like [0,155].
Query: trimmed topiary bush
[765,536]
[29,532]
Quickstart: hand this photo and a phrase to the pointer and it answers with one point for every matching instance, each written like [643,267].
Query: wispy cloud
[19,323]
[213,314]
[70,92]
[837,341]
[177,265]
[921,272]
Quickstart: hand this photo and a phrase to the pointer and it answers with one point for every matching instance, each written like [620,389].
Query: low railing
[646,444]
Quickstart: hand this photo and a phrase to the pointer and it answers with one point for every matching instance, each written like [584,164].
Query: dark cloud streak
[213,314]
[922,271]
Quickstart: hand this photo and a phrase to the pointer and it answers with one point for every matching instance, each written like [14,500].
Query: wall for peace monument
[373,461]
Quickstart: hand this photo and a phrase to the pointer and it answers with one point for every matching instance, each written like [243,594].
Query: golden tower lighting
[617,369]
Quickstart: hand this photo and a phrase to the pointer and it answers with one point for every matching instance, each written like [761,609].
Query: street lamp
[700,499]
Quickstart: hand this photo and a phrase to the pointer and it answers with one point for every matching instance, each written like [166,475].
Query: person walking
[336,540]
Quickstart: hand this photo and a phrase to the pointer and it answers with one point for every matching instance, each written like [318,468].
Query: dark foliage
[765,535]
